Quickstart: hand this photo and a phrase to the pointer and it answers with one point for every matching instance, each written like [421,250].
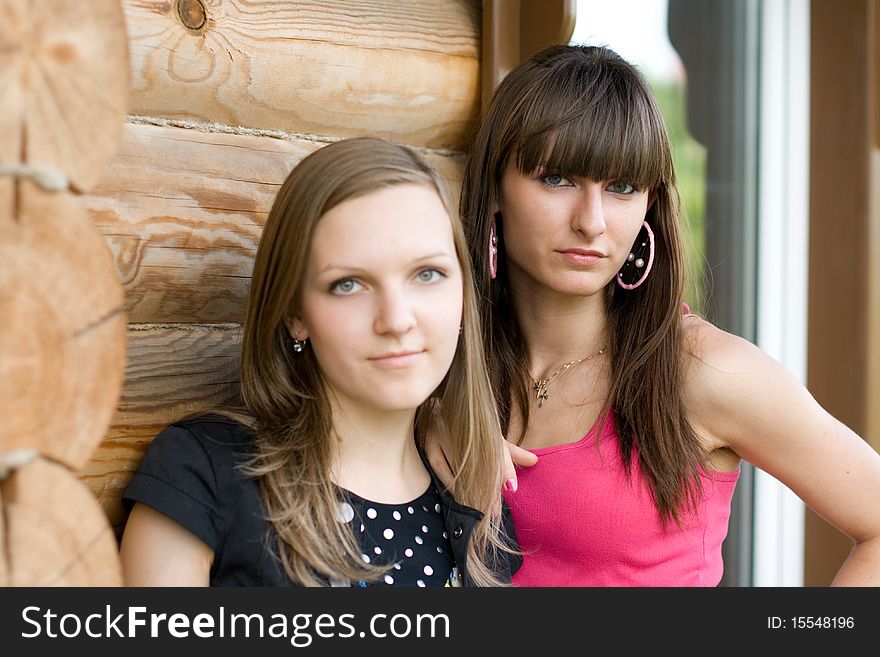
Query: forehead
[601,127]
[402,222]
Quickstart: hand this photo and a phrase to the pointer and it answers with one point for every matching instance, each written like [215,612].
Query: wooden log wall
[226,97]
[63,97]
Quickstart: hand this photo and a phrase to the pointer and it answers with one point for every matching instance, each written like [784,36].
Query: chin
[575,283]
[397,406]
[580,288]
[395,398]
[377,402]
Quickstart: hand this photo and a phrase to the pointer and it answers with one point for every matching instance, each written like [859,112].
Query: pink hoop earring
[637,262]
[493,251]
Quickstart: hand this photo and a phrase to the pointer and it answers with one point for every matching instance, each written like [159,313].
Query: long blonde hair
[584,111]
[283,391]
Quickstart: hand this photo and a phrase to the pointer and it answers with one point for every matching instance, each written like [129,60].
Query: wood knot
[192,14]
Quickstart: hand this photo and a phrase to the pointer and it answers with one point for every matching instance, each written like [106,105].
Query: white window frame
[783,221]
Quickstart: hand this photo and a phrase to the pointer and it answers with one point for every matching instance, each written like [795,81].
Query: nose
[588,216]
[395,314]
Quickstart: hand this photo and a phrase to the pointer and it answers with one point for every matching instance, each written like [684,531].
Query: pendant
[542,394]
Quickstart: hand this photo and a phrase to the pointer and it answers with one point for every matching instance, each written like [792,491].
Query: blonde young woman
[361,328]
[634,413]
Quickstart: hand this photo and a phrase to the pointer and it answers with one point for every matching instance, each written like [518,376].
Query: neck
[559,328]
[376,456]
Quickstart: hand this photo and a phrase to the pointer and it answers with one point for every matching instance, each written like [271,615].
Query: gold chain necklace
[542,394]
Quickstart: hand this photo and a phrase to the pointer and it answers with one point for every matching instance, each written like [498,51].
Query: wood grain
[55,531]
[64,77]
[172,372]
[62,345]
[408,71]
[183,211]
[12,16]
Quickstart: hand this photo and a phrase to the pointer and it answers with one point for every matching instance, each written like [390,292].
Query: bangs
[614,131]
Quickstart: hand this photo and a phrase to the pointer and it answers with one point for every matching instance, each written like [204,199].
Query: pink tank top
[581,521]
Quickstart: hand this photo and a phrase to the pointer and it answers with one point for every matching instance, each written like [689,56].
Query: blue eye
[345,286]
[430,275]
[555,180]
[621,188]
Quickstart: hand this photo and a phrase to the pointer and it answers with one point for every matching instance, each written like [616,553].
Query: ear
[296,328]
[652,196]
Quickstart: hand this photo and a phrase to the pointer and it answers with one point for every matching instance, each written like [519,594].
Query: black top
[412,536]
[191,474]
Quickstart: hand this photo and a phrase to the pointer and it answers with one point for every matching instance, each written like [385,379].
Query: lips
[397,359]
[582,256]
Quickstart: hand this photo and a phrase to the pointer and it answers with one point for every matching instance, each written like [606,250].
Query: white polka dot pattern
[346,512]
[411,539]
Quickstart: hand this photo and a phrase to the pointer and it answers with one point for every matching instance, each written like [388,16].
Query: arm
[742,400]
[174,526]
[156,551]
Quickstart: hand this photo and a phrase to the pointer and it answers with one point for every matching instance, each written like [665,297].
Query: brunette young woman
[639,413]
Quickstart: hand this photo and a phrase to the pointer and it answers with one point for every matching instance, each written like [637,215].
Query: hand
[515,455]
[437,442]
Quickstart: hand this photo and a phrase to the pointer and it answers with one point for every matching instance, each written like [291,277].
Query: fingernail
[510,485]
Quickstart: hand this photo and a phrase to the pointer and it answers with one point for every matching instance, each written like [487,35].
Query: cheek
[520,241]
[513,243]
[443,315]
[526,225]
[328,324]
[336,342]
[629,226]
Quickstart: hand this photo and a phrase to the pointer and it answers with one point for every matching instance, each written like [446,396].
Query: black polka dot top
[411,536]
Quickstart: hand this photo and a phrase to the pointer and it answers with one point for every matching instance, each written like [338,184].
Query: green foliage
[690,168]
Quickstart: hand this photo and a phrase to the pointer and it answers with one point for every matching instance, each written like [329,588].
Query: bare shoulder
[730,383]
[711,355]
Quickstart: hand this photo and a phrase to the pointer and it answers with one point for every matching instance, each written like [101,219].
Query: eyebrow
[415,261]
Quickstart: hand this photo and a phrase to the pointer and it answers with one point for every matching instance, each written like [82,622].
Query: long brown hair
[284,392]
[584,111]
